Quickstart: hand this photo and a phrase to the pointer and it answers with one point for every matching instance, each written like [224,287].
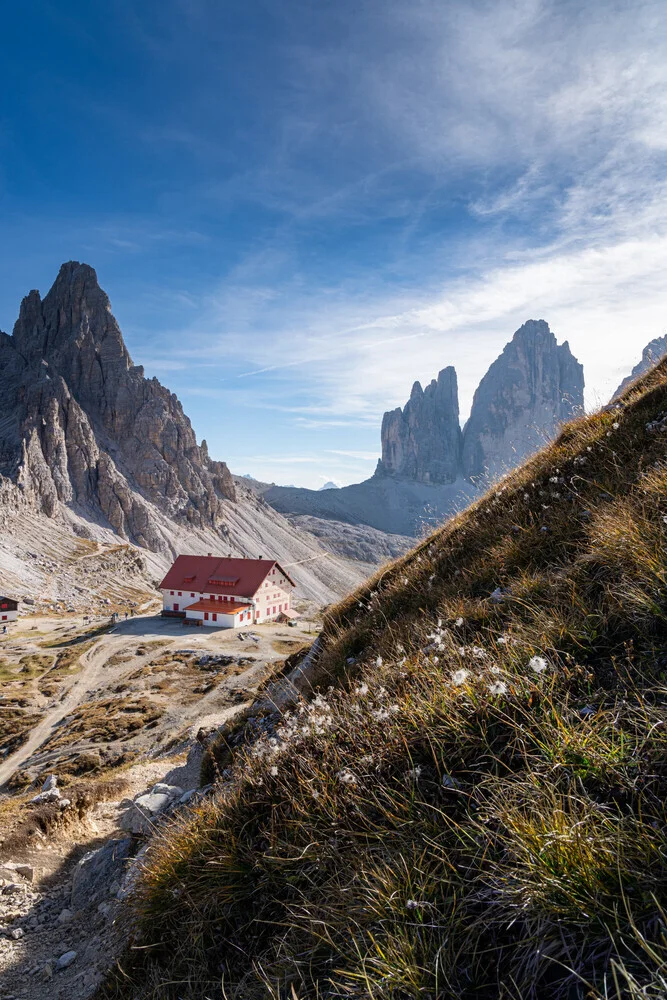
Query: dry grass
[105,720]
[474,805]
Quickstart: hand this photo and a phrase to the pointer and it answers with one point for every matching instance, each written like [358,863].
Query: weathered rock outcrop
[526,394]
[81,425]
[652,353]
[422,441]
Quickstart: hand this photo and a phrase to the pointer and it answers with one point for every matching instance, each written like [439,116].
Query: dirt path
[92,662]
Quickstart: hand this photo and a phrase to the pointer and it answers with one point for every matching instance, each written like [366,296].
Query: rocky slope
[651,355]
[533,387]
[99,451]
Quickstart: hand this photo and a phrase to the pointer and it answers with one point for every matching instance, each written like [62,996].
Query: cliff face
[83,427]
[527,392]
[422,441]
[652,353]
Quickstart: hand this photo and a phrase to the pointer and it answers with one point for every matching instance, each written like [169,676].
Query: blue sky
[299,208]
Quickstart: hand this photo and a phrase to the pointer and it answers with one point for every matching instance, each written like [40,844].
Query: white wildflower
[378,662]
[394,709]
[362,690]
[498,687]
[478,652]
[459,622]
[461,651]
[502,640]
[346,777]
[538,664]
[616,425]
[274,771]
[460,677]
[414,774]
[315,793]
[495,670]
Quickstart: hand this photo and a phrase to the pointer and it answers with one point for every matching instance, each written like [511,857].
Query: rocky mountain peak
[422,441]
[84,428]
[526,394]
[652,353]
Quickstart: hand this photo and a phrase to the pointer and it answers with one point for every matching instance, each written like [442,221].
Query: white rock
[65,960]
[51,782]
[172,790]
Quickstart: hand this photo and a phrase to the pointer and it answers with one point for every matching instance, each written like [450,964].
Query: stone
[140,817]
[162,789]
[52,795]
[17,934]
[97,870]
[65,960]
[50,783]
[65,916]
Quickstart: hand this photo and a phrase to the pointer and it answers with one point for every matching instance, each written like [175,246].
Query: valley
[110,710]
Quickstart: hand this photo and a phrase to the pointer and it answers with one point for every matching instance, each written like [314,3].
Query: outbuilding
[9,610]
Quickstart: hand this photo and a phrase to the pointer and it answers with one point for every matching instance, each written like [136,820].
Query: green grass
[473,805]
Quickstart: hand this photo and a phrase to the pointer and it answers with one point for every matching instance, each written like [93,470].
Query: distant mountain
[422,441]
[652,353]
[329,486]
[528,392]
[430,468]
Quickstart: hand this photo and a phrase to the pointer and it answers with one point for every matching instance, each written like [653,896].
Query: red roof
[197,573]
[221,607]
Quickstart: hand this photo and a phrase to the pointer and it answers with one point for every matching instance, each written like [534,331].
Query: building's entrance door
[176,607]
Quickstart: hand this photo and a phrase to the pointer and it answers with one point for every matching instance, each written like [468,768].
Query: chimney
[209,553]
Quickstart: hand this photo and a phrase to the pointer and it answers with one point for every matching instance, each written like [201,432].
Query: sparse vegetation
[44,820]
[473,806]
[104,720]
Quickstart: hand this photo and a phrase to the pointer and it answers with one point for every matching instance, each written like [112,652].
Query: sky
[300,208]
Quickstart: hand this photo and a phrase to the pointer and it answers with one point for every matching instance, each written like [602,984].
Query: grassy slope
[475,807]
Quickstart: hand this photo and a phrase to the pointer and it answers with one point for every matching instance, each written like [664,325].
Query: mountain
[651,355]
[329,486]
[422,441]
[430,469]
[528,392]
[468,799]
[97,450]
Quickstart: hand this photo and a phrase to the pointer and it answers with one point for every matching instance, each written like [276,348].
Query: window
[180,593]
[4,618]
[176,607]
[206,616]
[215,617]
[171,593]
[192,595]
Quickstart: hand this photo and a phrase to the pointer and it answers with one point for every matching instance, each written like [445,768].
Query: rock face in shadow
[422,441]
[652,353]
[526,394]
[82,426]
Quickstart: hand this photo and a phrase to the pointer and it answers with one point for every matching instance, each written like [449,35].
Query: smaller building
[9,610]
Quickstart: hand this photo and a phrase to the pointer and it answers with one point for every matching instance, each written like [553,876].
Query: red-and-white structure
[227,593]
[9,610]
